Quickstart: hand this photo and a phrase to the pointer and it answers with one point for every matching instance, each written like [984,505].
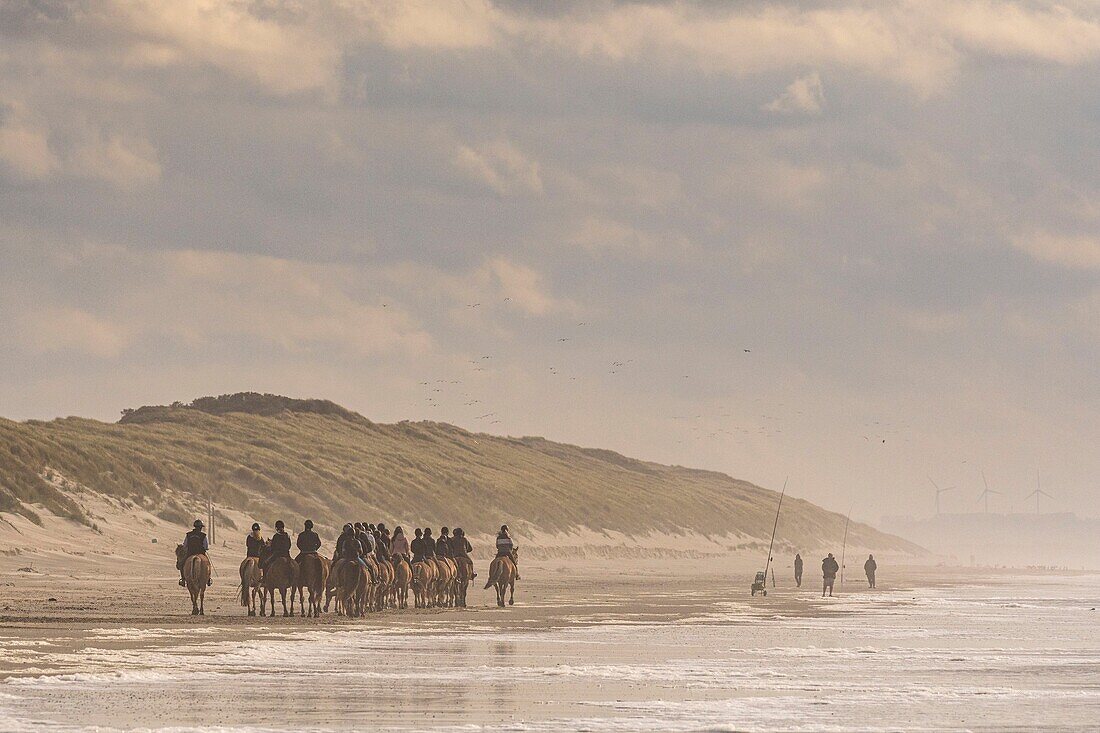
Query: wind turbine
[985,494]
[1038,492]
[938,492]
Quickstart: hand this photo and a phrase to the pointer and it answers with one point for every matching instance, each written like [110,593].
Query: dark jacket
[429,547]
[279,545]
[348,547]
[308,541]
[194,543]
[417,547]
[829,567]
[460,547]
[798,565]
[870,567]
[253,545]
[366,541]
[443,546]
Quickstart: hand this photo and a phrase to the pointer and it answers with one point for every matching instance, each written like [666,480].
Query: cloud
[25,150]
[51,329]
[1078,252]
[501,167]
[804,95]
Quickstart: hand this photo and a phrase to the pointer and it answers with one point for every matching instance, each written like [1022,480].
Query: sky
[855,244]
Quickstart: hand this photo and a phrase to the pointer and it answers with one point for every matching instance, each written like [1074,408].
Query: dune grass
[271,457]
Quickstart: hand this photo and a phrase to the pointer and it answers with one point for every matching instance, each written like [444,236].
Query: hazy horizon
[851,244]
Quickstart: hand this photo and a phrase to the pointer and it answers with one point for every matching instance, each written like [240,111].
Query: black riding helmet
[348,528]
[309,524]
[198,524]
[255,526]
[419,532]
[279,524]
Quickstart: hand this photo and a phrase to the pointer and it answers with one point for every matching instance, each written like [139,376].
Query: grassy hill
[269,456]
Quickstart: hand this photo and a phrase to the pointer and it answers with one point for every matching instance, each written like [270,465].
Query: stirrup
[183,583]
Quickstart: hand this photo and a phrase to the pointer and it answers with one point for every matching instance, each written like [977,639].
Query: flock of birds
[472,394]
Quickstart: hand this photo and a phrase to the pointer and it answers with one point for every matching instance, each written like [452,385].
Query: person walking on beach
[829,569]
[870,567]
[798,570]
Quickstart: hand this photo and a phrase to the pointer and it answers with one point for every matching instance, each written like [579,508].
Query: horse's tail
[494,570]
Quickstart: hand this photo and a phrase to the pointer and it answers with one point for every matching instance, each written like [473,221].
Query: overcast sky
[853,242]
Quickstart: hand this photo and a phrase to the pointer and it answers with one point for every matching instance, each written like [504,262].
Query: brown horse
[332,589]
[196,574]
[402,579]
[280,574]
[251,578]
[386,576]
[444,581]
[465,571]
[313,571]
[423,580]
[502,574]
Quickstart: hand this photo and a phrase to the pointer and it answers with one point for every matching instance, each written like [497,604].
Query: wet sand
[930,650]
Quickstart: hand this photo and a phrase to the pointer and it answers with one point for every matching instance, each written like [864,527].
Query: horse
[281,574]
[465,571]
[196,574]
[332,590]
[251,579]
[444,584]
[502,574]
[313,572]
[386,576]
[402,579]
[423,579]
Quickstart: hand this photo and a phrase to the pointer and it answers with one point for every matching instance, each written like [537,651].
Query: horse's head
[515,552]
[179,551]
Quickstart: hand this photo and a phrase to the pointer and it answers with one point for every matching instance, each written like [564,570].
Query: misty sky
[895,207]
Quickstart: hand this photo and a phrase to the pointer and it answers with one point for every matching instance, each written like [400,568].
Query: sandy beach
[634,648]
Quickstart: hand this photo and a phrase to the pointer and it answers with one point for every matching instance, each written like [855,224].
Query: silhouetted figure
[798,570]
[870,567]
[829,568]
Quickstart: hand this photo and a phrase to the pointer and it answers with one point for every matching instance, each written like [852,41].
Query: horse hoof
[251,613]
[511,602]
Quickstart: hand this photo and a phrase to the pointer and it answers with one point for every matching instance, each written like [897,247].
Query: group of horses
[351,588]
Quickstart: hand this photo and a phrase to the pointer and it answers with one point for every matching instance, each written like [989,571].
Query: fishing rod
[768,563]
[844,546]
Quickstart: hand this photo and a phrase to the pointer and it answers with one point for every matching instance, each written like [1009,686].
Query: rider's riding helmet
[348,528]
[255,526]
[504,528]
[279,524]
[309,524]
[458,532]
[443,530]
[419,532]
[198,524]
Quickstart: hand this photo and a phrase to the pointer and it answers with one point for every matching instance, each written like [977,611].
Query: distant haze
[856,244]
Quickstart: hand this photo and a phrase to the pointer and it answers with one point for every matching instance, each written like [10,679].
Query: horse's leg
[512,591]
[202,601]
[282,594]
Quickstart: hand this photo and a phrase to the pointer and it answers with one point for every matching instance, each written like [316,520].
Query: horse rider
[429,543]
[364,537]
[400,544]
[278,546]
[384,538]
[194,543]
[461,549]
[507,548]
[308,541]
[254,543]
[348,547]
[417,546]
[443,544]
